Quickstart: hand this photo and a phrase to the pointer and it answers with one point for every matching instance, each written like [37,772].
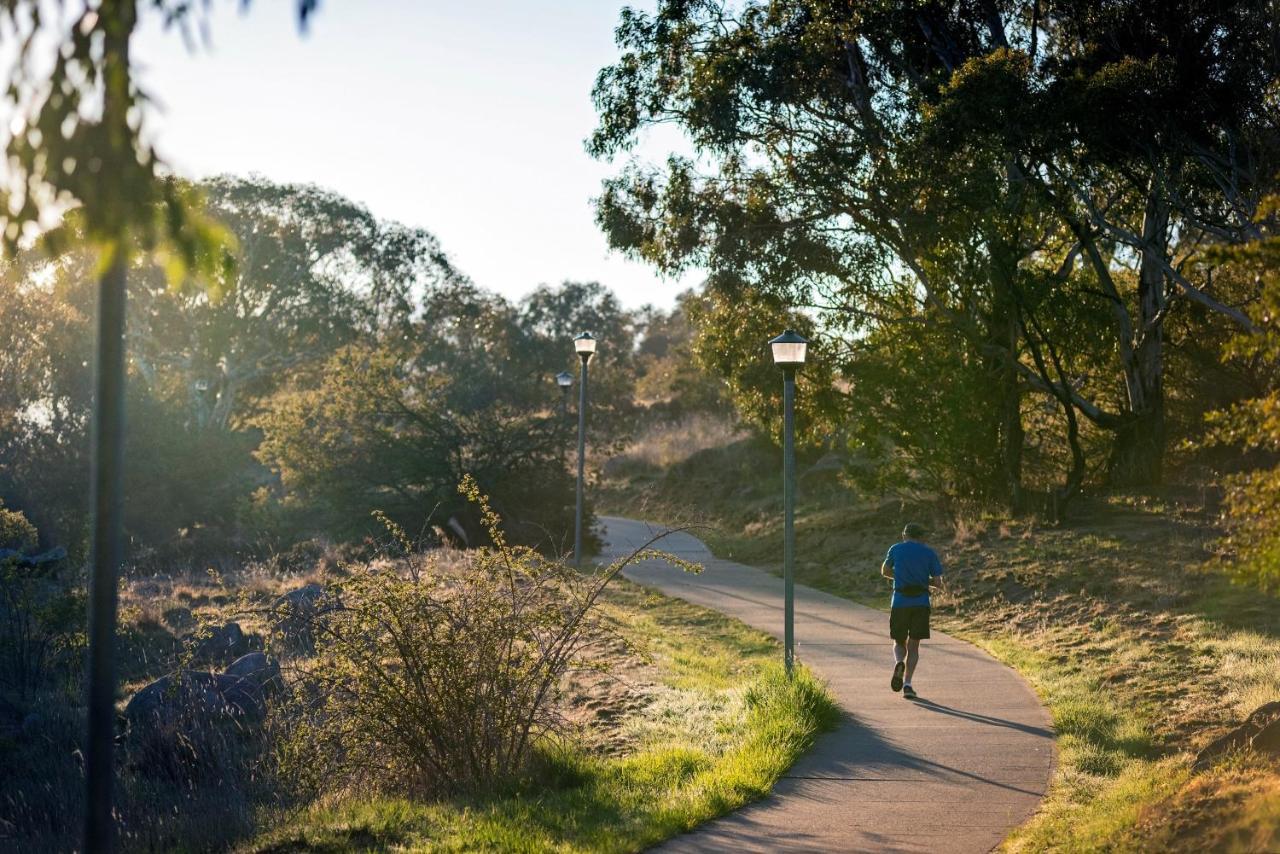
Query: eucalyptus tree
[1253,424]
[311,271]
[835,173]
[958,165]
[1169,138]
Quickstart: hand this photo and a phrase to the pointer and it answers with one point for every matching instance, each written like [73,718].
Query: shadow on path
[925,703]
[877,757]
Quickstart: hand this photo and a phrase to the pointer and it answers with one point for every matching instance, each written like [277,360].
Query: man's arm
[886,569]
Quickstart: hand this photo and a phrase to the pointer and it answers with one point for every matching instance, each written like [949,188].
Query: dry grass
[1232,808]
[668,443]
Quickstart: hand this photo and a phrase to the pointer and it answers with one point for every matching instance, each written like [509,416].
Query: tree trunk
[1012,434]
[1006,334]
[1137,457]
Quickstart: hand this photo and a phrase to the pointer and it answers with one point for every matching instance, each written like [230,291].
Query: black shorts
[911,621]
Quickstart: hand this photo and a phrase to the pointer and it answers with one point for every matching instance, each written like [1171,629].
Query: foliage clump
[41,614]
[435,678]
[1253,495]
[16,531]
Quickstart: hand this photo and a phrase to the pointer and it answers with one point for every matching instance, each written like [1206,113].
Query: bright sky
[464,118]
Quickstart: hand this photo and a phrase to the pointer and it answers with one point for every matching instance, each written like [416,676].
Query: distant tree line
[337,365]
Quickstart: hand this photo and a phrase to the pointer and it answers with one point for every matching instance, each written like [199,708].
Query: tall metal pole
[107,499]
[788,517]
[582,459]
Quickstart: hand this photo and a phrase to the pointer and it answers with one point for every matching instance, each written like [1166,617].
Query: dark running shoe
[908,692]
[896,682]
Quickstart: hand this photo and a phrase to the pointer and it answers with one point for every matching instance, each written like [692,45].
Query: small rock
[295,614]
[1261,731]
[255,665]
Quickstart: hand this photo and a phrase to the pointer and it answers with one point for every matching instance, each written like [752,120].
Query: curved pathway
[954,771]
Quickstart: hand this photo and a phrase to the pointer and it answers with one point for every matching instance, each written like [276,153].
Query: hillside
[1144,652]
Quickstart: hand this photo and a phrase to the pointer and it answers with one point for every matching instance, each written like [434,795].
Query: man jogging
[912,566]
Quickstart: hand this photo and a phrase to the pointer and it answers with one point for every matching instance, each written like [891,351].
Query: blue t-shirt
[912,563]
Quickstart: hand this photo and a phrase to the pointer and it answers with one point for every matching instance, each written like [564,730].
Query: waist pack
[913,590]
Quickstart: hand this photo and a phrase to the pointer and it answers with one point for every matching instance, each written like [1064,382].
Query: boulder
[176,699]
[199,697]
[249,683]
[217,644]
[296,615]
[1260,731]
[1267,739]
[182,721]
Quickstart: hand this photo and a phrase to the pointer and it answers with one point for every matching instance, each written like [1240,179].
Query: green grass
[1140,652]
[721,729]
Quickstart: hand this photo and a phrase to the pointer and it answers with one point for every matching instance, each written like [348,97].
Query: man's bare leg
[912,656]
[899,659]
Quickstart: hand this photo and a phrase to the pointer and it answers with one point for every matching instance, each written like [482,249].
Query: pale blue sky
[465,118]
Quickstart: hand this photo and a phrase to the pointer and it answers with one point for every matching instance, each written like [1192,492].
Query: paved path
[951,772]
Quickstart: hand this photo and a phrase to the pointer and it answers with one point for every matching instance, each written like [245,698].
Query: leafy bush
[1253,496]
[16,532]
[435,679]
[41,613]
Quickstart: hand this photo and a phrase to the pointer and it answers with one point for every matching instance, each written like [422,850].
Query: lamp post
[788,354]
[564,379]
[585,346]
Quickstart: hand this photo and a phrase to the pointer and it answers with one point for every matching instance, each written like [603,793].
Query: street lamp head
[564,379]
[789,349]
[585,345]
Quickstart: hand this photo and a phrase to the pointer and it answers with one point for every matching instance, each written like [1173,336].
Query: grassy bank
[707,723]
[1141,653]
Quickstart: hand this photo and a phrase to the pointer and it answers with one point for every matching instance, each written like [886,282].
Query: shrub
[15,531]
[41,613]
[434,678]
